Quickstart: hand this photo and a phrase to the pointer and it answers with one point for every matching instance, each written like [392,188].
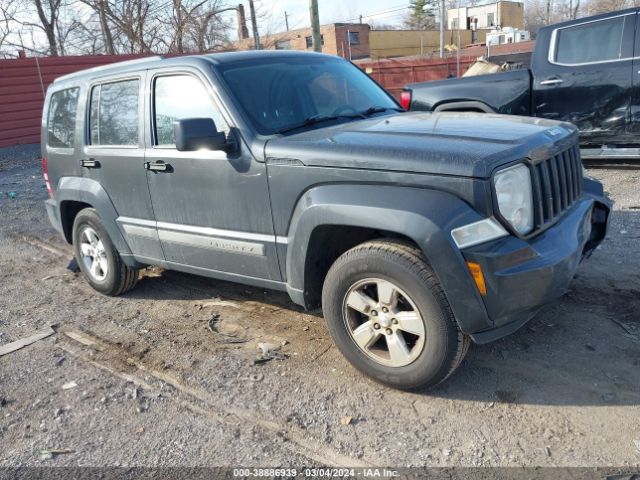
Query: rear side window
[113,119]
[61,121]
[590,42]
[177,97]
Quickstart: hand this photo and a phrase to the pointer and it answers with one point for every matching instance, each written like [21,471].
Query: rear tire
[98,258]
[388,315]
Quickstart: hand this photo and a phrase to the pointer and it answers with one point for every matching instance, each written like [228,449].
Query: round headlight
[513,191]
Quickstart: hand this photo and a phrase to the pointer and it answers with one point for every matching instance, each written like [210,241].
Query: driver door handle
[552,81]
[158,166]
[90,163]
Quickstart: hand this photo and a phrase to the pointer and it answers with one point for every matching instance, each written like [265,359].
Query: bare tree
[48,13]
[8,11]
[59,27]
[603,6]
[209,31]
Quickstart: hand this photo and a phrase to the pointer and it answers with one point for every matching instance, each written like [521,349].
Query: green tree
[422,15]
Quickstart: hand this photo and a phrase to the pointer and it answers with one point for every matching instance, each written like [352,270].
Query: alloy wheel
[384,322]
[94,255]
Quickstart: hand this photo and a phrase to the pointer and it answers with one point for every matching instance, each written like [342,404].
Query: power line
[375,14]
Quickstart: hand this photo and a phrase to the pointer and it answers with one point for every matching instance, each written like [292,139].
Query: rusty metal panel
[394,74]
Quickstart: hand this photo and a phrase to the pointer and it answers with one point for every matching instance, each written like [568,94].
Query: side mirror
[198,133]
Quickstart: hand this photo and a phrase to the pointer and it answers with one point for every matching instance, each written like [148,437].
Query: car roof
[157,61]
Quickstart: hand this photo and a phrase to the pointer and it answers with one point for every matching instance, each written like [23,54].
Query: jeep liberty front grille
[557,184]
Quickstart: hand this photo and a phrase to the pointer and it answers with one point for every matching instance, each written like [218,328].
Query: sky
[376,11]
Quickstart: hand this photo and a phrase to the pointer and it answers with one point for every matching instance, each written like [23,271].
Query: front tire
[98,258]
[388,315]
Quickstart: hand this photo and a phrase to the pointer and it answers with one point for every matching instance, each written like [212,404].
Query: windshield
[282,94]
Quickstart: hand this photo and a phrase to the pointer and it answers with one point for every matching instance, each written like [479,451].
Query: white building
[507,35]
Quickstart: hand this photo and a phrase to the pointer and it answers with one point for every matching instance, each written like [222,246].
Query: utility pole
[286,20]
[458,49]
[254,25]
[443,18]
[315,25]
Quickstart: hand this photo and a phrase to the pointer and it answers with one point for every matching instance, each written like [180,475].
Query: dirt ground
[142,380]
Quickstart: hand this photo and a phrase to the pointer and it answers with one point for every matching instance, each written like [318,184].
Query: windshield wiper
[313,120]
[373,110]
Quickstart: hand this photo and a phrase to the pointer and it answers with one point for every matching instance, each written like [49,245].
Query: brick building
[348,40]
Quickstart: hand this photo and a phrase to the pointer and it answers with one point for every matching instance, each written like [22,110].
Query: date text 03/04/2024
[315,472]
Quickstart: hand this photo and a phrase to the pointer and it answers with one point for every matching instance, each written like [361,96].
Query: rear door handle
[158,166]
[552,81]
[91,163]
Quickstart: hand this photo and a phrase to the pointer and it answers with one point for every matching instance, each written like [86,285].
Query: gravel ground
[152,385]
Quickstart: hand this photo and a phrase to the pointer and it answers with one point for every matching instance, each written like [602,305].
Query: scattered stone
[256,377]
[305,328]
[446,452]
[547,451]
[267,348]
[268,352]
[69,385]
[140,430]
[3,402]
[346,420]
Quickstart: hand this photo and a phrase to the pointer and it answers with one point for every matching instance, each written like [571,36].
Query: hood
[446,143]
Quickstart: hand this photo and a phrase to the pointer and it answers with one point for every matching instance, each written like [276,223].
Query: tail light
[405,99]
[45,171]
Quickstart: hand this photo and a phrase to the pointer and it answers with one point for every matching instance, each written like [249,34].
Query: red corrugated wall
[23,83]
[394,74]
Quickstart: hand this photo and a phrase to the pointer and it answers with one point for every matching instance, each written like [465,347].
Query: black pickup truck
[584,71]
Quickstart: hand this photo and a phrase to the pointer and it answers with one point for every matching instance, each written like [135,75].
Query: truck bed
[506,92]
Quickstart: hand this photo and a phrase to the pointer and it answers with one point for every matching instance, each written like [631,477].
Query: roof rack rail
[108,67]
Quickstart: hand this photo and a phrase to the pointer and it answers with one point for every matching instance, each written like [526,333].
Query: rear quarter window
[113,117]
[61,118]
[592,42]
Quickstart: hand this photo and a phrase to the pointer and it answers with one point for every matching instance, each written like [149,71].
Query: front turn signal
[476,272]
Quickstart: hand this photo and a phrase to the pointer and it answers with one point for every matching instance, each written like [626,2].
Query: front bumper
[523,275]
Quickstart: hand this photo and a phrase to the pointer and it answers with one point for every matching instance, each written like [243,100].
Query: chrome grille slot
[557,184]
